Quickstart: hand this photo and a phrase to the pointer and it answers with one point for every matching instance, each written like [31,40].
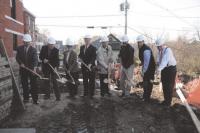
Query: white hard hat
[159,42]
[140,38]
[51,40]
[70,43]
[124,38]
[27,38]
[88,36]
[104,39]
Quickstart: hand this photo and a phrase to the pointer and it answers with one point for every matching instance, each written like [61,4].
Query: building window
[13,8]
[14,41]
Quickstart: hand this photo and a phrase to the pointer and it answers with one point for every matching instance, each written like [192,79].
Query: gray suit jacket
[71,64]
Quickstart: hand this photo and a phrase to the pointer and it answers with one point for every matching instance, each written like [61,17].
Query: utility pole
[126,11]
[124,7]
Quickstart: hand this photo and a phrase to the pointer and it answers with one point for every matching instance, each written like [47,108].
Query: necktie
[49,52]
[26,54]
[86,46]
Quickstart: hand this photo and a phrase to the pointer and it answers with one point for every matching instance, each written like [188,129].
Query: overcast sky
[169,18]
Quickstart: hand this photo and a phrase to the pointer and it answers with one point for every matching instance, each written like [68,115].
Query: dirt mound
[105,115]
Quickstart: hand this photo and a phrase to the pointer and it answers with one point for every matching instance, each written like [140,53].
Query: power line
[114,15]
[105,27]
[181,8]
[140,32]
[148,14]
[70,26]
[84,16]
[172,13]
[157,28]
[78,26]
[151,37]
[188,7]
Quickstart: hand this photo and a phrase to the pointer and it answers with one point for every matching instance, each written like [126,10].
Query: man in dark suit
[88,56]
[49,55]
[27,57]
[126,55]
[71,68]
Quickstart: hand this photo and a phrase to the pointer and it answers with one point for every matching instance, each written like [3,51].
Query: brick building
[11,24]
[15,20]
[29,23]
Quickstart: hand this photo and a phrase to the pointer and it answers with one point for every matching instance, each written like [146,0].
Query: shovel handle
[85,64]
[33,72]
[54,71]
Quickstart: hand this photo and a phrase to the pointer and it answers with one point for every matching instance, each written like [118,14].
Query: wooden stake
[17,101]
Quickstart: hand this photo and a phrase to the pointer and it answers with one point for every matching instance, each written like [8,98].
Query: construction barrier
[194,96]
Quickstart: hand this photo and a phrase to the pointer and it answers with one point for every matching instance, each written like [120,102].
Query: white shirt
[147,57]
[168,59]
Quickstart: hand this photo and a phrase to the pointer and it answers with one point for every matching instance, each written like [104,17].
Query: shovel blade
[62,80]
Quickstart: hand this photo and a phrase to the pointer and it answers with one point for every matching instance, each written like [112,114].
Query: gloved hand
[45,61]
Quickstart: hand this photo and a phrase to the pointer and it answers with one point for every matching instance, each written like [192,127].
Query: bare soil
[105,115]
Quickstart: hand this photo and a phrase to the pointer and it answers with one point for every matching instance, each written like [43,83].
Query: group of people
[99,60]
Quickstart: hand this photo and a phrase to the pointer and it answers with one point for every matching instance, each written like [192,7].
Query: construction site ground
[105,115]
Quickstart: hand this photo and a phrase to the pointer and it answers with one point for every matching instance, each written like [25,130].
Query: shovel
[61,80]
[80,60]
[129,81]
[35,73]
[73,81]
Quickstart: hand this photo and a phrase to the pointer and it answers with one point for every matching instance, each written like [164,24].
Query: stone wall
[6,91]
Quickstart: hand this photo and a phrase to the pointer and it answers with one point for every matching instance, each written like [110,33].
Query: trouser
[103,86]
[73,88]
[52,79]
[168,76]
[88,82]
[125,74]
[147,87]
[25,76]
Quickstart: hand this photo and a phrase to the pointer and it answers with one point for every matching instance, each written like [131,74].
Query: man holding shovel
[88,57]
[104,59]
[167,69]
[126,56]
[27,58]
[71,68]
[49,55]
[148,67]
